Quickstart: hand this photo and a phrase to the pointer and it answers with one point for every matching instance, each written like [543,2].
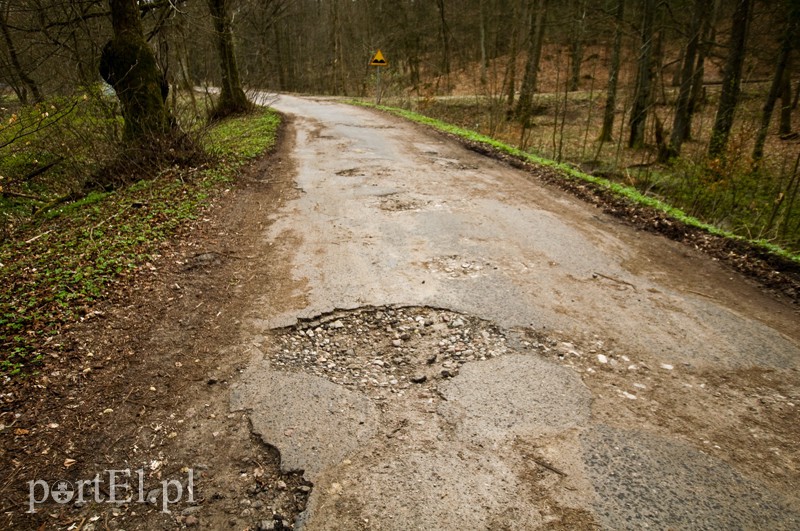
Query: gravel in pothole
[387,350]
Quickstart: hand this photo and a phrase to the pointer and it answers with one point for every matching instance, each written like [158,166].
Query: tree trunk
[338,83]
[19,73]
[681,125]
[512,61]
[706,42]
[644,77]
[576,47]
[731,81]
[613,74]
[182,52]
[445,40]
[280,66]
[414,63]
[232,99]
[484,58]
[778,79]
[658,68]
[676,76]
[785,127]
[530,78]
[127,63]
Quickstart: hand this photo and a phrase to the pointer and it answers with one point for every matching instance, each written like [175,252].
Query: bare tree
[576,45]
[732,79]
[444,34]
[538,12]
[644,76]
[778,80]
[708,36]
[17,77]
[785,128]
[613,74]
[681,124]
[484,57]
[511,70]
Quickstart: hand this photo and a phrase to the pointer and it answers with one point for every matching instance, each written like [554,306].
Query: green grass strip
[627,192]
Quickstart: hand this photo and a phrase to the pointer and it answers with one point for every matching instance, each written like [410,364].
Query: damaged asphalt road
[464,348]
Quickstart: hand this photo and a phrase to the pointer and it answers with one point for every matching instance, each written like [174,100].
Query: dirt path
[431,340]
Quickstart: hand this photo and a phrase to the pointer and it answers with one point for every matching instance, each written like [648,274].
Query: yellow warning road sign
[378,60]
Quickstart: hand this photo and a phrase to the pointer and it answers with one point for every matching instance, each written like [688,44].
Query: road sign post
[378,88]
[379,61]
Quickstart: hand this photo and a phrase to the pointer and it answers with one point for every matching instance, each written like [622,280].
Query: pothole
[396,203]
[454,164]
[272,499]
[351,172]
[366,402]
[385,351]
[455,266]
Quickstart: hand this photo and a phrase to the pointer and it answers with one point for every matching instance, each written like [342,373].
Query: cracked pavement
[465,348]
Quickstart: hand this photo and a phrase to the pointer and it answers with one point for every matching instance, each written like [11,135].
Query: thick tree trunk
[732,80]
[778,79]
[613,74]
[644,77]
[232,99]
[681,125]
[127,63]
[530,78]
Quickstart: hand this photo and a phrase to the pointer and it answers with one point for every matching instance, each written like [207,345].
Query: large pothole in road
[406,415]
[385,351]
[368,402]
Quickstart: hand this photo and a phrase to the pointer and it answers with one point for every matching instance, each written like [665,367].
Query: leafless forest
[692,101]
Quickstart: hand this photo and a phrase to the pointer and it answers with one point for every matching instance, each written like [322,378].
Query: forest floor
[380,329]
